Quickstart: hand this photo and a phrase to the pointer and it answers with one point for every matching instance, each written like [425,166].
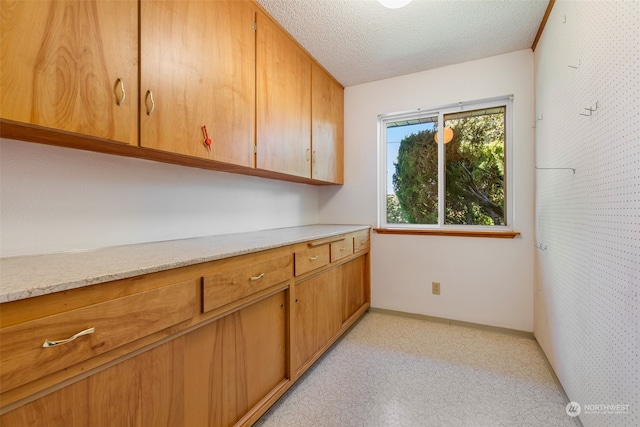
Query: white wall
[587,293]
[488,281]
[56,199]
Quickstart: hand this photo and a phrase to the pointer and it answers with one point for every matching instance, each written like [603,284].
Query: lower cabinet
[213,344]
[324,306]
[318,314]
[147,390]
[354,286]
[211,376]
[234,362]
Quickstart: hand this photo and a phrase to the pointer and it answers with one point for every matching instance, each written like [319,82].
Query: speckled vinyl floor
[397,371]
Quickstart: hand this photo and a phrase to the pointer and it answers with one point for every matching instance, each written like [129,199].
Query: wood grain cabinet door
[235,362]
[327,127]
[198,69]
[328,301]
[71,65]
[304,327]
[317,314]
[353,286]
[283,94]
[145,390]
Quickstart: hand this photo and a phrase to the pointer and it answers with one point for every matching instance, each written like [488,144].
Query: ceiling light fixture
[394,4]
[448,135]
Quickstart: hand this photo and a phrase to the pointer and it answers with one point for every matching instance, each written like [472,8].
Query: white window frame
[441,112]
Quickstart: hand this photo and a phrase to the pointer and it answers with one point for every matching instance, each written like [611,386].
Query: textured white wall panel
[587,303]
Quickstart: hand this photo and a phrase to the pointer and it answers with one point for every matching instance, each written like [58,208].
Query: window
[462,183]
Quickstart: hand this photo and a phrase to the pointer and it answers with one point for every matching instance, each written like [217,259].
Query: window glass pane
[412,171]
[475,167]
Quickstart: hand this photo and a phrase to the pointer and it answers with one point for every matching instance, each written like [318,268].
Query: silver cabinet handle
[120,101]
[313,258]
[254,278]
[308,151]
[48,343]
[343,249]
[313,157]
[149,96]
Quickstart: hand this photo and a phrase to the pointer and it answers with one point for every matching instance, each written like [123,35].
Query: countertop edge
[23,277]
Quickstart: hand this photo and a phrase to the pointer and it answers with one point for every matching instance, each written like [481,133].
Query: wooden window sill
[457,233]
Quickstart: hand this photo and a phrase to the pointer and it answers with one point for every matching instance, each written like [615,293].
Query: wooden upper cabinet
[327,127]
[156,73]
[283,94]
[198,69]
[64,65]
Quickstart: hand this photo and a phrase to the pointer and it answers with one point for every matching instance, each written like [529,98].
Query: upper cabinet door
[327,124]
[71,65]
[283,102]
[198,70]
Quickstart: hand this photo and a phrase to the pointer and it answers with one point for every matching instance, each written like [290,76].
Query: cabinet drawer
[312,258]
[116,322]
[342,248]
[229,286]
[360,241]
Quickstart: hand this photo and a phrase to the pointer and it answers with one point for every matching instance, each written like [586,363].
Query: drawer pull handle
[254,278]
[313,258]
[48,343]
[343,249]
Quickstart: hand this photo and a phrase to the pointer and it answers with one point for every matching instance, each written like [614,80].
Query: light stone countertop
[30,276]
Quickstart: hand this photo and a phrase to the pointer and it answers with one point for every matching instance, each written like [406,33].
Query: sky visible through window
[394,136]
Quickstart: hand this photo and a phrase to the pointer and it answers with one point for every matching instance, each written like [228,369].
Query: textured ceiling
[359,41]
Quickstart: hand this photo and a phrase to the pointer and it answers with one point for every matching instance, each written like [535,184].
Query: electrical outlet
[435,288]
